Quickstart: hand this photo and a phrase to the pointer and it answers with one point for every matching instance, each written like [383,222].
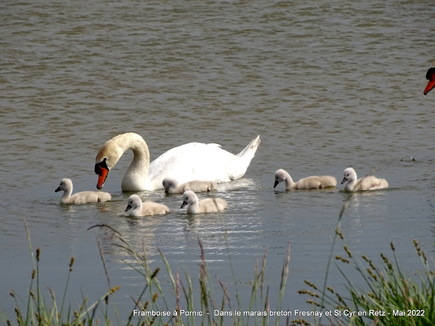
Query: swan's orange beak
[430,85]
[102,178]
[103,171]
[430,76]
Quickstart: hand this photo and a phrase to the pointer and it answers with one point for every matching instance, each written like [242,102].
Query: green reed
[185,303]
[37,310]
[389,295]
[190,305]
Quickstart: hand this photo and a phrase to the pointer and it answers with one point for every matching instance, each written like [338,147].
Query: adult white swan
[192,161]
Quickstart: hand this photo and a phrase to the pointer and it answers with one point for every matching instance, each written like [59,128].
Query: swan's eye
[100,165]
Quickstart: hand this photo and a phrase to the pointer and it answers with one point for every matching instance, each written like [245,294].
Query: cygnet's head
[134,202]
[280,176]
[65,184]
[349,175]
[189,197]
[169,183]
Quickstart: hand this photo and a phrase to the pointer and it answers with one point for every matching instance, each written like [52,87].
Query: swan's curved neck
[194,207]
[137,210]
[137,172]
[67,192]
[351,183]
[289,184]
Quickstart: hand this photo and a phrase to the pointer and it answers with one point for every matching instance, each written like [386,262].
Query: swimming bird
[192,161]
[312,182]
[366,183]
[83,197]
[137,208]
[430,76]
[207,205]
[173,187]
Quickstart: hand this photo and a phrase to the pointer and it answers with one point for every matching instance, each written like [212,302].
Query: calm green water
[327,85]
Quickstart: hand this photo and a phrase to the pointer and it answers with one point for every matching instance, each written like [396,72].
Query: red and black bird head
[430,76]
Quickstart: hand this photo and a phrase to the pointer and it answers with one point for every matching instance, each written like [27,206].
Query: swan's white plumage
[312,182]
[192,161]
[137,208]
[83,197]
[173,187]
[207,205]
[366,183]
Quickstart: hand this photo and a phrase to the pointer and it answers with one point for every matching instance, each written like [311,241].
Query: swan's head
[280,176]
[430,76]
[349,175]
[113,149]
[168,184]
[106,159]
[65,184]
[189,197]
[134,202]
[102,169]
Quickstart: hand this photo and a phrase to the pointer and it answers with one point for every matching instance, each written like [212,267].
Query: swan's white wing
[193,161]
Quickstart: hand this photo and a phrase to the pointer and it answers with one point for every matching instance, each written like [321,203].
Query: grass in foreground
[36,310]
[389,297]
[187,304]
[191,307]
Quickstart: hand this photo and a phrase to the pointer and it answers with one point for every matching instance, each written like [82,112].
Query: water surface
[326,85]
